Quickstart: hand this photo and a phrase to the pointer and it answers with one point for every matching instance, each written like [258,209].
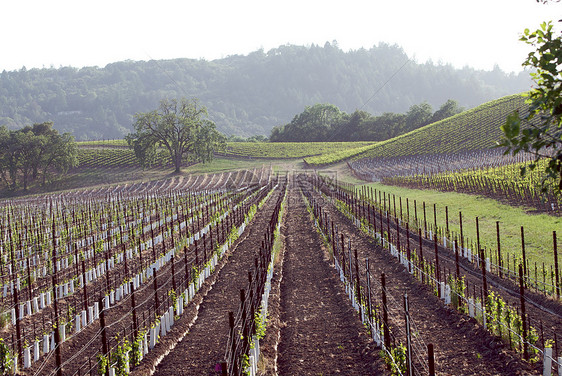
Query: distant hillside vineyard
[245,95]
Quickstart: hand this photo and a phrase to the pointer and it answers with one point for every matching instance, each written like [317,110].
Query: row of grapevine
[503,183]
[521,327]
[286,150]
[72,252]
[335,156]
[115,157]
[355,274]
[384,168]
[247,326]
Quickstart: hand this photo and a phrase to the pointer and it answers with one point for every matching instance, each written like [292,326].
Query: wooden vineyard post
[435,218]
[483,266]
[385,314]
[499,248]
[172,261]
[186,266]
[409,369]
[457,268]
[407,210]
[430,359]
[55,305]
[84,288]
[484,280]
[133,302]
[333,240]
[523,251]
[388,227]
[437,274]
[447,221]
[232,342]
[155,286]
[462,236]
[424,222]
[478,240]
[15,289]
[421,256]
[358,291]
[105,349]
[398,237]
[416,214]
[243,319]
[343,254]
[394,203]
[369,303]
[408,253]
[557,275]
[523,317]
[350,263]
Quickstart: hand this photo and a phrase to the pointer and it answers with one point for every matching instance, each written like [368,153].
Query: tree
[32,151]
[539,131]
[447,109]
[180,127]
[315,123]
[418,115]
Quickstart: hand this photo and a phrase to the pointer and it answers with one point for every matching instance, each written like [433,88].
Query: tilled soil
[462,346]
[199,352]
[321,334]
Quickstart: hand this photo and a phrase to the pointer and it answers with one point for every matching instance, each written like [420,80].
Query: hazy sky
[478,33]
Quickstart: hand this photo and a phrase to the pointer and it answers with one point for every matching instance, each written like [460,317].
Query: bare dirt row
[203,347]
[320,332]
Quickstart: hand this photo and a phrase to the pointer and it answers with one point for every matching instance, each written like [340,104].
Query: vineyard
[257,271]
[115,157]
[475,129]
[115,153]
[501,182]
[251,272]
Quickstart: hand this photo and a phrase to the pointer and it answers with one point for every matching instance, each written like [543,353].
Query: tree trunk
[177,162]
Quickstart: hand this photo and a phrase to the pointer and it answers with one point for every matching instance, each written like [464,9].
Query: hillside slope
[475,129]
[245,95]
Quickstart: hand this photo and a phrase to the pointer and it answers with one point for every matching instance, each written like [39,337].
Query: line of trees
[326,122]
[246,95]
[34,153]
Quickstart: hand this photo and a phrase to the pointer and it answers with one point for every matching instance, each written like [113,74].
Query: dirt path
[320,332]
[204,345]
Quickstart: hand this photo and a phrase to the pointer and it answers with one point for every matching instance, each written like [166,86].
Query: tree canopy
[34,152]
[181,127]
[245,95]
[326,122]
[540,130]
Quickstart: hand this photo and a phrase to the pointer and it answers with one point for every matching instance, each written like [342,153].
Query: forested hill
[245,95]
